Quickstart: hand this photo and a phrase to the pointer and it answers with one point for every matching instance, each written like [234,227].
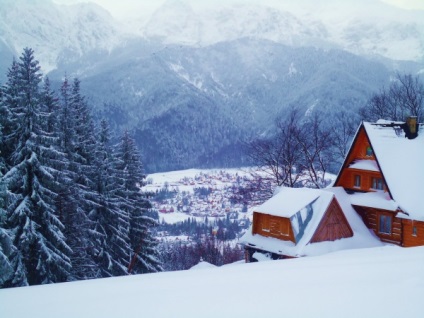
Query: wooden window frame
[375,182]
[382,224]
[355,178]
[414,231]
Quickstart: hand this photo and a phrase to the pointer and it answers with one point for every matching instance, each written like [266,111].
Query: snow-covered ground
[377,282]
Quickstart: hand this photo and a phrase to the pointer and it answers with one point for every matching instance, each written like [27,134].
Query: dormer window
[369,152]
[377,183]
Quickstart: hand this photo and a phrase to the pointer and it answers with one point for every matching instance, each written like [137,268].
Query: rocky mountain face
[194,84]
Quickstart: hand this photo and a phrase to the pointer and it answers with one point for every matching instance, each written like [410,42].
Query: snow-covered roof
[402,163]
[378,199]
[370,165]
[289,201]
[362,236]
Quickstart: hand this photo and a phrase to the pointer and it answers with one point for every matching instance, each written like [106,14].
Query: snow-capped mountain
[193,82]
[178,22]
[57,32]
[61,33]
[361,27]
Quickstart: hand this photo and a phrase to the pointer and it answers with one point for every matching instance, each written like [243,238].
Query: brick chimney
[411,127]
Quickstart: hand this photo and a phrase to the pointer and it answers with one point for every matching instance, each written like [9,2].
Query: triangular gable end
[358,150]
[333,225]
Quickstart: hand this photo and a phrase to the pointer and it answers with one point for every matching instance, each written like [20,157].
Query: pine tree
[9,103]
[76,197]
[51,106]
[43,255]
[111,221]
[6,245]
[144,253]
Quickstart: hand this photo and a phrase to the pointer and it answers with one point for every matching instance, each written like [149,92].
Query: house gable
[333,226]
[361,170]
[385,182]
[272,226]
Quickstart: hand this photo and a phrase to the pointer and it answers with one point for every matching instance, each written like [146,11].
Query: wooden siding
[358,150]
[409,237]
[272,226]
[333,225]
[347,179]
[371,218]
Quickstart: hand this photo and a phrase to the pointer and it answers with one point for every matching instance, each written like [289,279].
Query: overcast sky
[123,8]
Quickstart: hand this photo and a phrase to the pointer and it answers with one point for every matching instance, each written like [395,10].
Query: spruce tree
[8,104]
[144,252]
[6,245]
[43,255]
[76,197]
[111,222]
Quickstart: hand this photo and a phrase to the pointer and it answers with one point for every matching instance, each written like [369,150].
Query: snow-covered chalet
[380,187]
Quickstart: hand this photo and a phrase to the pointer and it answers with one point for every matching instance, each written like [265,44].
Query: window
[414,231]
[369,151]
[357,182]
[377,183]
[385,224]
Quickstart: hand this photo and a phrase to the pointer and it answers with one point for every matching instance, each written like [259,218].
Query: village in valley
[203,195]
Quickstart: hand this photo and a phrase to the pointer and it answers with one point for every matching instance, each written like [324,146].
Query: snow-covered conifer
[9,103]
[76,198]
[32,181]
[144,253]
[111,222]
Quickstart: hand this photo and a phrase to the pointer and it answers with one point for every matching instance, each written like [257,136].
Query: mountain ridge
[194,104]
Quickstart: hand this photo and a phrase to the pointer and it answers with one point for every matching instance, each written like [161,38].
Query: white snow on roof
[369,165]
[362,236]
[288,201]
[378,199]
[402,164]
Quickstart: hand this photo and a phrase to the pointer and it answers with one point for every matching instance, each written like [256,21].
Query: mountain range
[194,83]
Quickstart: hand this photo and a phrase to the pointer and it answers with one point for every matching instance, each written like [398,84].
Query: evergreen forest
[70,200]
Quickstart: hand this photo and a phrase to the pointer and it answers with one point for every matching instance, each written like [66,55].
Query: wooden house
[380,187]
[384,173]
[294,221]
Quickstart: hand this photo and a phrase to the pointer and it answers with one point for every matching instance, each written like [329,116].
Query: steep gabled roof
[289,201]
[401,161]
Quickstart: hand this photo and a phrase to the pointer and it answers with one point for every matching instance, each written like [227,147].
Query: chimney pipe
[412,127]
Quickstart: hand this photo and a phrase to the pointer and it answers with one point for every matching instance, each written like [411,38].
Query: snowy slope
[377,282]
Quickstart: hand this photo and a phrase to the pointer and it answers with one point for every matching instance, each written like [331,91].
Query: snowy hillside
[378,282]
